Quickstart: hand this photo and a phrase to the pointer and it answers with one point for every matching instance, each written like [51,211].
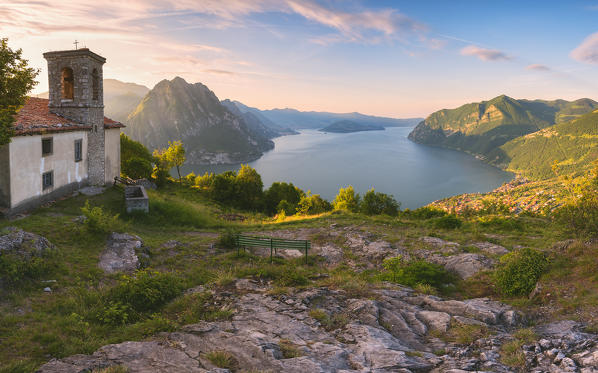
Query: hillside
[482,128]
[253,122]
[121,98]
[176,110]
[347,126]
[262,118]
[573,145]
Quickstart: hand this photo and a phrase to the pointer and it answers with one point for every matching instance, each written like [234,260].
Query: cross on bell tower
[76,42]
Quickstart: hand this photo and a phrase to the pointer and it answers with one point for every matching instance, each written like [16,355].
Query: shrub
[115,313]
[313,204]
[416,272]
[447,222]
[289,349]
[137,168]
[346,199]
[248,189]
[131,149]
[282,192]
[375,203]
[519,270]
[146,291]
[427,212]
[222,359]
[227,240]
[581,216]
[98,221]
[16,269]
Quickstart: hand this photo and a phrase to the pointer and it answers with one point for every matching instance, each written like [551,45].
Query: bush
[146,291]
[98,221]
[416,272]
[137,168]
[131,149]
[448,222]
[581,216]
[16,269]
[227,240]
[346,199]
[375,203]
[282,192]
[312,205]
[519,270]
[427,212]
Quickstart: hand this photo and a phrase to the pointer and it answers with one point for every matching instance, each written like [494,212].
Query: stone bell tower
[76,87]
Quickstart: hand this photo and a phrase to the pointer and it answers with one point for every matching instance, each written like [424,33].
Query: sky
[390,58]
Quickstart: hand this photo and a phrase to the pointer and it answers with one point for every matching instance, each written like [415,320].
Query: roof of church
[35,117]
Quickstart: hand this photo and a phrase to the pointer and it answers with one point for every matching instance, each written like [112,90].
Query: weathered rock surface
[491,248]
[24,244]
[389,333]
[119,254]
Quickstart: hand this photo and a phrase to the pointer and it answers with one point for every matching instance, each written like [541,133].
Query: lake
[385,160]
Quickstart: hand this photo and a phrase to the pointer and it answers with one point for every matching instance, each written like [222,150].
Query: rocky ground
[386,329]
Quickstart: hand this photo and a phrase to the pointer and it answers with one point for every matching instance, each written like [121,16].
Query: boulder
[465,265]
[24,244]
[119,254]
[491,248]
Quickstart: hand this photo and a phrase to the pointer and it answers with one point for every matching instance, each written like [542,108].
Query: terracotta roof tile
[35,117]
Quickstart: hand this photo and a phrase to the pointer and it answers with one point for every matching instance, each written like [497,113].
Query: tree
[176,156]
[346,199]
[16,80]
[162,167]
[375,203]
[312,204]
[278,192]
[249,187]
[135,160]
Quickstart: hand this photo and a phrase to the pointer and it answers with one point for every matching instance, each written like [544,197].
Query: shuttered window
[78,150]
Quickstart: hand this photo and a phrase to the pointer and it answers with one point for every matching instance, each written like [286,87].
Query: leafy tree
[176,156]
[278,192]
[375,203]
[205,181]
[346,199]
[163,166]
[249,188]
[580,213]
[313,204]
[135,160]
[137,168]
[223,187]
[16,80]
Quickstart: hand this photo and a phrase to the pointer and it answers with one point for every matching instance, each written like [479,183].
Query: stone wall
[4,176]
[112,146]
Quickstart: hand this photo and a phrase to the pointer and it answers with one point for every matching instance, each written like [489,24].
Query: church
[64,142]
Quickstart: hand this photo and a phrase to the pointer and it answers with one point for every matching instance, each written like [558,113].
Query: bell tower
[75,80]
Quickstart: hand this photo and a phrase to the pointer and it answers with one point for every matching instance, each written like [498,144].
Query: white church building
[62,143]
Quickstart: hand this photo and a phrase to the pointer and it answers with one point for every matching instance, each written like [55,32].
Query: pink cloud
[484,54]
[587,51]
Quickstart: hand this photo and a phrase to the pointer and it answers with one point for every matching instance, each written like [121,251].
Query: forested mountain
[482,128]
[346,126]
[177,110]
[573,145]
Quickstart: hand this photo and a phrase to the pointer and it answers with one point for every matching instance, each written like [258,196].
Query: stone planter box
[136,199]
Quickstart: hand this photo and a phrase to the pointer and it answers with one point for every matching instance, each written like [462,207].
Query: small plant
[115,313]
[227,240]
[416,272]
[99,221]
[289,349]
[112,369]
[222,359]
[329,322]
[426,289]
[447,222]
[519,271]
[224,277]
[511,352]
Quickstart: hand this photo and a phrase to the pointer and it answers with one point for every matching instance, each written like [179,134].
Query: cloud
[219,72]
[537,67]
[587,51]
[363,26]
[485,54]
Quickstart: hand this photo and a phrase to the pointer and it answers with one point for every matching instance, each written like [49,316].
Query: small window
[47,146]
[68,82]
[78,150]
[48,180]
[95,85]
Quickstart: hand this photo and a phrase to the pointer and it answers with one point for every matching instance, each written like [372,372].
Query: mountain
[211,133]
[482,128]
[262,118]
[573,145]
[253,122]
[121,98]
[346,126]
[296,119]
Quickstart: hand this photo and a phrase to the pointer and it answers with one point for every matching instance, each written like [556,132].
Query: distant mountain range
[347,126]
[496,130]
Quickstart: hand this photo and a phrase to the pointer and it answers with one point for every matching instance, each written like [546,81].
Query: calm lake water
[386,160]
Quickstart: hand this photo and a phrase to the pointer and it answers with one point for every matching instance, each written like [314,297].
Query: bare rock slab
[24,244]
[119,255]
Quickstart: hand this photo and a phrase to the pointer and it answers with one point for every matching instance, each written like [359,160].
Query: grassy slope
[574,145]
[36,326]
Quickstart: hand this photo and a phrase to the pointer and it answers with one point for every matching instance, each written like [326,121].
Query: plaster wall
[28,165]
[112,146]
[4,176]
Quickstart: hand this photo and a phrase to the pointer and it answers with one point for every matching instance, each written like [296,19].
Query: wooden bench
[243,241]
